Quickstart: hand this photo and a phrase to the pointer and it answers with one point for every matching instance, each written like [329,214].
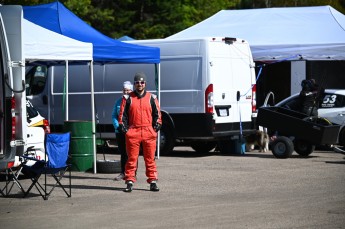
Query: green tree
[159,19]
[93,12]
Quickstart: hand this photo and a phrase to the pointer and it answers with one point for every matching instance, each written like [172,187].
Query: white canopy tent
[43,44]
[292,33]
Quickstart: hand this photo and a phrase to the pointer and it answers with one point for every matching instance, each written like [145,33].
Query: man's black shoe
[154,187]
[129,187]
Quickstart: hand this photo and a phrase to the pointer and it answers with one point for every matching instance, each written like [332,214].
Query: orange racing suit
[140,118]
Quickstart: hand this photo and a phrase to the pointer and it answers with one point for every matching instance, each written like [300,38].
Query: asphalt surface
[254,190]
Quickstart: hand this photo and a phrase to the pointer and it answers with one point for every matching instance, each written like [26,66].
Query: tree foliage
[148,19]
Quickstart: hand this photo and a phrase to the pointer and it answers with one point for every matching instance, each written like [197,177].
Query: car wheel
[303,148]
[282,147]
[203,147]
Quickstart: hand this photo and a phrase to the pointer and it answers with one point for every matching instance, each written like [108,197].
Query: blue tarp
[56,17]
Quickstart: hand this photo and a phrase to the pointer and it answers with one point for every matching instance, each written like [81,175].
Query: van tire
[203,146]
[167,141]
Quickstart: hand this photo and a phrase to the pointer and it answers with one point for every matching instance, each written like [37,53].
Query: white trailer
[207,91]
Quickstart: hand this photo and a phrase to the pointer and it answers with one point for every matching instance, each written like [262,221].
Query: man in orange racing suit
[140,119]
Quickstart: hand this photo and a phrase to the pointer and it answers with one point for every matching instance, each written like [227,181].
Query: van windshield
[35,80]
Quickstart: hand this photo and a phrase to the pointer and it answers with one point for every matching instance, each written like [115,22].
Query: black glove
[157,127]
[122,128]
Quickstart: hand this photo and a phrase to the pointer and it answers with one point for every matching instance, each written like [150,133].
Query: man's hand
[157,127]
[122,128]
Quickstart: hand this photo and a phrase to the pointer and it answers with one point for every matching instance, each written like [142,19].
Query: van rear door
[231,72]
[12,104]
[2,92]
[5,101]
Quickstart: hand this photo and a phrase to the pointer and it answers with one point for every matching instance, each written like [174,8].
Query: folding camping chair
[11,178]
[11,175]
[55,164]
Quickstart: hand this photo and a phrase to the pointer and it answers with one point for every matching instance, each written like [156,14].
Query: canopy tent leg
[93,119]
[66,104]
[158,82]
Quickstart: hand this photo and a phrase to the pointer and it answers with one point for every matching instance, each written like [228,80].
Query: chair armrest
[32,158]
[30,148]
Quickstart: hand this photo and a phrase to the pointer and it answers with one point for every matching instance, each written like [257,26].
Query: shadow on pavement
[90,177]
[94,187]
[194,154]
[336,162]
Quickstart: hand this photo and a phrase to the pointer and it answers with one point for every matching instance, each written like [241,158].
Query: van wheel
[303,148]
[203,147]
[282,147]
[167,141]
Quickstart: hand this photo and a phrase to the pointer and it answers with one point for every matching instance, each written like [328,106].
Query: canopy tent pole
[158,67]
[66,110]
[93,119]
[50,87]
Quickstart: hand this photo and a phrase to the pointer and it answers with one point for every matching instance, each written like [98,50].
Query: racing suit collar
[139,95]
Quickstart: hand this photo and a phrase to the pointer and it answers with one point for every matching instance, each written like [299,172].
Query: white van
[12,94]
[207,91]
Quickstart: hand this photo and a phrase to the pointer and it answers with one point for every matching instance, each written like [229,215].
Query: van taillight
[10,164]
[254,98]
[209,99]
[13,112]
[46,126]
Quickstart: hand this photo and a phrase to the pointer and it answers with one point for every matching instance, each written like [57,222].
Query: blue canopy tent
[56,17]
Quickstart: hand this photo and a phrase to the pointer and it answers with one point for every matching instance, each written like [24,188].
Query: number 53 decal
[329,101]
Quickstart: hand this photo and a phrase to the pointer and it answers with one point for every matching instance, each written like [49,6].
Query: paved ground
[254,190]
